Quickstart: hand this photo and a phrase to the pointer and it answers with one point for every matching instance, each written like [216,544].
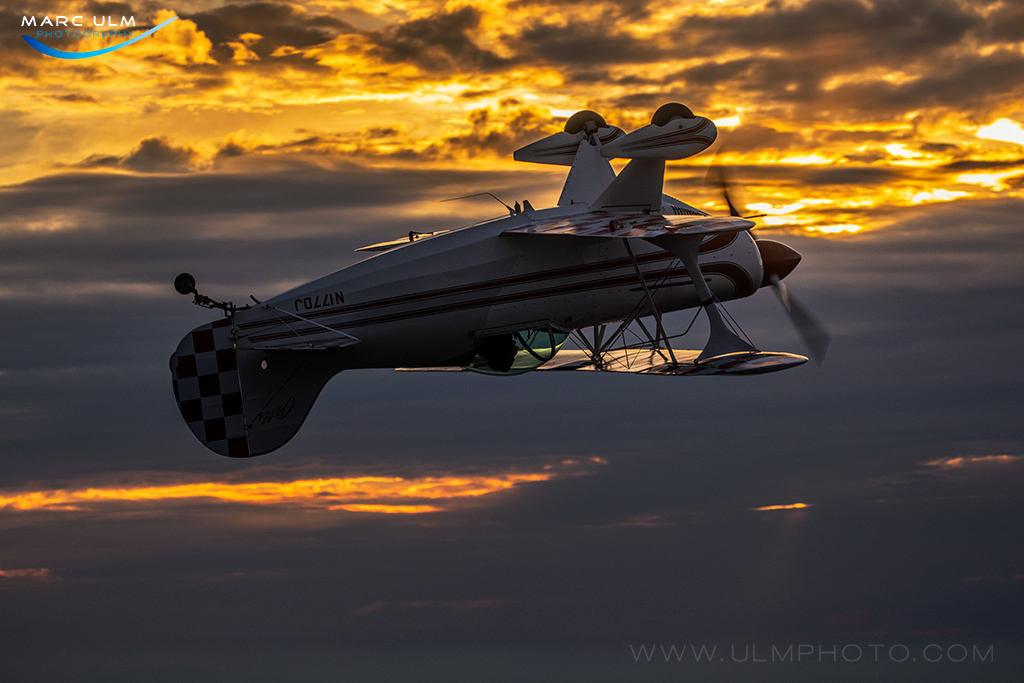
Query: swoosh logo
[60,54]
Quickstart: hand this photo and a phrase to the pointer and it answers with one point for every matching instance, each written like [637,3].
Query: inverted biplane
[503,296]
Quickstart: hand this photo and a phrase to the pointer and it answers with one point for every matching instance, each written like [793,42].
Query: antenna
[511,211]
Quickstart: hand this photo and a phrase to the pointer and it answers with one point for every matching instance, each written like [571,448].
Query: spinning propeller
[811,331]
[716,176]
[779,260]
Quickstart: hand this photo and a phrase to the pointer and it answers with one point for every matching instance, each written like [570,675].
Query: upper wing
[634,226]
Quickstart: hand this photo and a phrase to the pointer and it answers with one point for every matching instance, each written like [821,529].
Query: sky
[437,527]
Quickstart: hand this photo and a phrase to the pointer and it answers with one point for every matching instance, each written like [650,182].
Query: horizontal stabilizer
[560,148]
[677,139]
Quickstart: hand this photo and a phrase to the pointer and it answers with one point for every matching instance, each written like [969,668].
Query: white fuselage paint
[422,304]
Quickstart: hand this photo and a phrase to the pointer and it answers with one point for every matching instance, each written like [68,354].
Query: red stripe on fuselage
[716,243]
[737,274]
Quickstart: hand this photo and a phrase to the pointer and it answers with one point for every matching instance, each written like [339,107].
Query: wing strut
[722,340]
[650,302]
[345,339]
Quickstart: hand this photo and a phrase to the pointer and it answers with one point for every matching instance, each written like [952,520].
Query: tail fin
[244,402]
[578,146]
[588,142]
[674,133]
[589,175]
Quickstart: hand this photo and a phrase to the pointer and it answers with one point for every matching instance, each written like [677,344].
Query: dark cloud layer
[301,187]
[792,52]
[795,49]
[660,545]
[978,84]
[439,43]
[278,24]
[521,126]
[591,44]
[19,60]
[153,155]
[109,9]
[844,32]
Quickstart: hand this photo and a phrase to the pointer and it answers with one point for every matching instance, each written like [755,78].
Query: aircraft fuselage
[426,303]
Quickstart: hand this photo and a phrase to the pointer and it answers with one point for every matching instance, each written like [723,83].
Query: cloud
[588,44]
[485,133]
[972,461]
[756,137]
[109,9]
[975,83]
[296,188]
[271,26]
[153,155]
[13,579]
[837,34]
[390,495]
[1005,22]
[787,506]
[830,57]
[1005,130]
[373,142]
[19,60]
[76,98]
[979,165]
[180,43]
[856,176]
[624,10]
[500,133]
[437,44]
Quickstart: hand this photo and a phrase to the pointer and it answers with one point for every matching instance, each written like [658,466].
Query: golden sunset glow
[440,85]
[356,494]
[792,506]
[1003,130]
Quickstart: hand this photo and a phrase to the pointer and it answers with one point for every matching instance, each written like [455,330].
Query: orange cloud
[395,495]
[38,573]
[792,506]
[973,460]
[468,82]
[180,42]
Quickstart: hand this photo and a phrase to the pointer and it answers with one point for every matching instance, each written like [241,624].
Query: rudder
[244,402]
